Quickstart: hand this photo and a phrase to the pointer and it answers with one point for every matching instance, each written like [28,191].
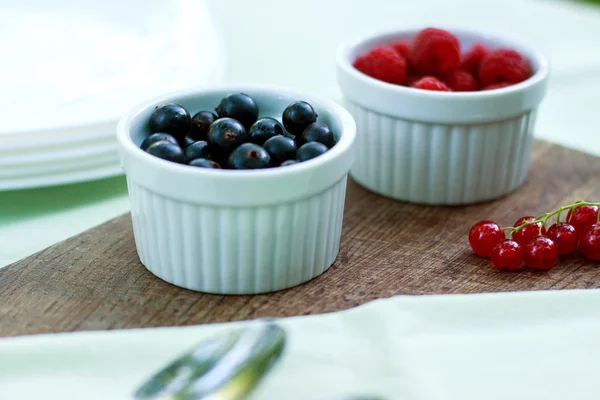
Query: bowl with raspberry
[443,117]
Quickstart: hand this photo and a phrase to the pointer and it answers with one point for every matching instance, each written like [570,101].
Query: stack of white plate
[65,84]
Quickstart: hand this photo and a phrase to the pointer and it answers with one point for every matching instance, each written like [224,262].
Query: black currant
[226,134]
[200,124]
[197,149]
[281,149]
[170,118]
[318,132]
[238,106]
[205,163]
[186,141]
[157,137]
[264,129]
[311,150]
[297,116]
[249,156]
[167,151]
[288,162]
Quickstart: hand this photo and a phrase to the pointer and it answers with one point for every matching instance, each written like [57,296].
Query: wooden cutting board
[95,280]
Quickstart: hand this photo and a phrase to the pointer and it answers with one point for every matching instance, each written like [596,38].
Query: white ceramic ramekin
[237,232]
[440,147]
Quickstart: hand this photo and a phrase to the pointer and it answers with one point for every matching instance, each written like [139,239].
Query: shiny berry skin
[157,137]
[297,116]
[238,106]
[583,217]
[318,132]
[281,149]
[541,253]
[167,151]
[431,83]
[186,141]
[484,236]
[310,150]
[172,119]
[564,236]
[507,254]
[529,232]
[205,163]
[264,129]
[226,134]
[200,124]
[589,242]
[249,156]
[288,162]
[197,149]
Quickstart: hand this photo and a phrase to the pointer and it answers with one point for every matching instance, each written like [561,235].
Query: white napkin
[534,345]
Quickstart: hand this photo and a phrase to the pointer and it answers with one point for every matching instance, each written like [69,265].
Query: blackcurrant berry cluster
[528,241]
[234,137]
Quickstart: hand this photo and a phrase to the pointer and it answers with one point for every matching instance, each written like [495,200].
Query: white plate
[68,81]
[50,140]
[517,346]
[68,165]
[41,158]
[87,61]
[66,160]
[62,176]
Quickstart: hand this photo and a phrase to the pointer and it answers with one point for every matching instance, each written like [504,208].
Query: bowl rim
[347,47]
[345,142]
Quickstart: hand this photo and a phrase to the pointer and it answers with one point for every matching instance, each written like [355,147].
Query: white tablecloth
[519,346]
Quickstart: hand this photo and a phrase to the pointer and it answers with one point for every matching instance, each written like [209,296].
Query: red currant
[590,242]
[564,236]
[507,254]
[541,253]
[525,235]
[583,217]
[484,235]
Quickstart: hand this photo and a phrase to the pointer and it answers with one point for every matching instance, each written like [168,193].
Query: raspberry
[402,47]
[503,65]
[412,79]
[461,81]
[383,63]
[431,83]
[435,52]
[498,85]
[471,59]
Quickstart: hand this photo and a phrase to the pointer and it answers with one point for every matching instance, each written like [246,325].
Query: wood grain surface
[95,280]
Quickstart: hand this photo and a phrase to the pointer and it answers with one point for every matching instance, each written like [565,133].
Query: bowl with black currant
[237,189]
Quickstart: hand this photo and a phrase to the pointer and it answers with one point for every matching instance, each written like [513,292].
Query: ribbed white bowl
[237,232]
[439,147]
[437,163]
[238,249]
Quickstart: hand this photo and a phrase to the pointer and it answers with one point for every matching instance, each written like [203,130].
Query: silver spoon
[227,367]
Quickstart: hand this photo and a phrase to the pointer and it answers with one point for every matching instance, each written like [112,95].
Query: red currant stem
[508,228]
[543,218]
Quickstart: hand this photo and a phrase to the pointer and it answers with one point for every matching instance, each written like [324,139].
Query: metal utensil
[226,367]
